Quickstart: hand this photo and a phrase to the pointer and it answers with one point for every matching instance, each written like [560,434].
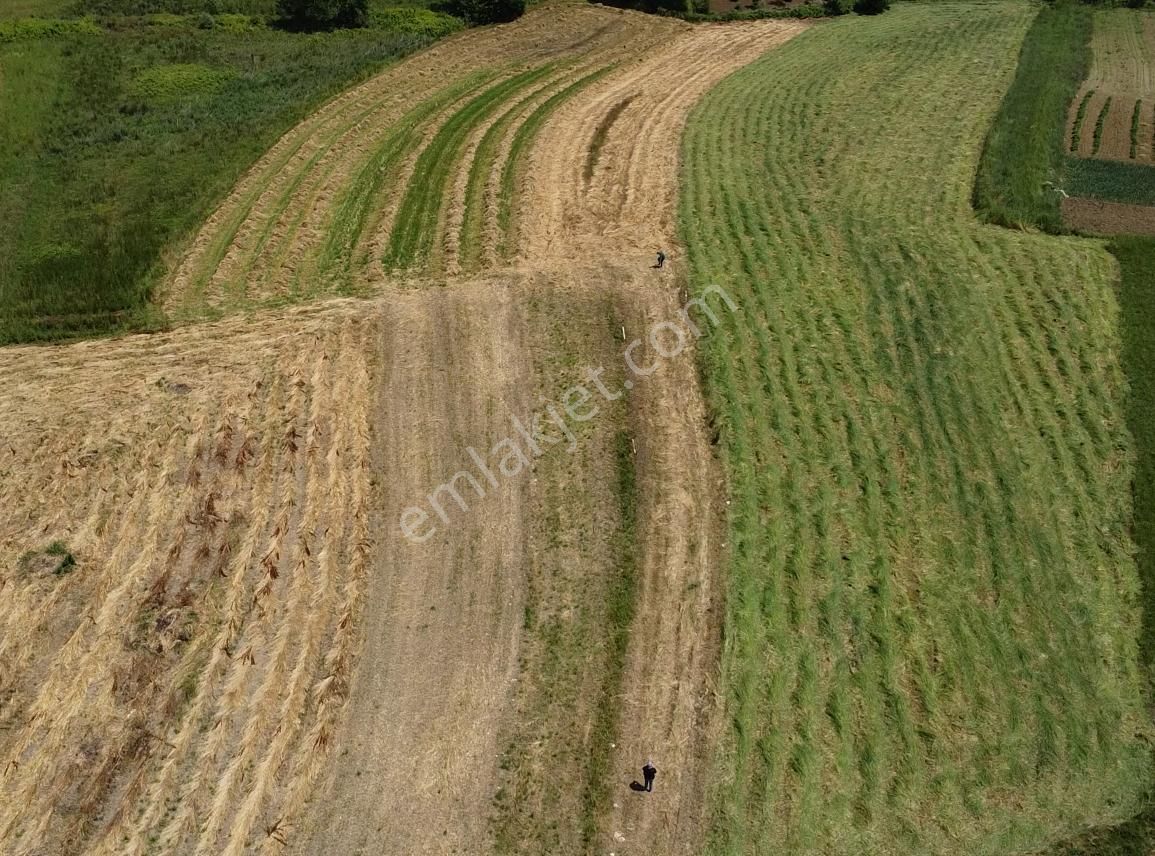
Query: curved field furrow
[931,588]
[247,654]
[627,205]
[266,238]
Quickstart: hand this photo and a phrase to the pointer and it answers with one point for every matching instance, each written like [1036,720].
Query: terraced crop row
[318,214]
[931,626]
[1107,114]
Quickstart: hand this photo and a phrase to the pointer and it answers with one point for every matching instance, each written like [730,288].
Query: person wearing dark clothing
[648,773]
[661,259]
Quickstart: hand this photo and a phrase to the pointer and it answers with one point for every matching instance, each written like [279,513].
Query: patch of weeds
[1100,123]
[1080,117]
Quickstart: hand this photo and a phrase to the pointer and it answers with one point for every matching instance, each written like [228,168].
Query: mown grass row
[1136,117]
[365,194]
[1080,117]
[518,150]
[932,598]
[485,163]
[1100,123]
[412,239]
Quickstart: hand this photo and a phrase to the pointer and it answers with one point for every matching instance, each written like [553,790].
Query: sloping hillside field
[418,534]
[931,623]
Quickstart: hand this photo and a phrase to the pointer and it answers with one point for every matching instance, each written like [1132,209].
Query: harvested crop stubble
[212,485]
[931,638]
[264,241]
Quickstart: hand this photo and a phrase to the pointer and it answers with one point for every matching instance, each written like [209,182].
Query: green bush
[168,83]
[312,15]
[836,7]
[479,12]
[871,7]
[413,20]
[23,29]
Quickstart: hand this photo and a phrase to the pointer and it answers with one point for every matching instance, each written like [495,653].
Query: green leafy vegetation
[1022,165]
[311,15]
[932,601]
[25,29]
[1097,141]
[1080,117]
[480,12]
[117,145]
[167,83]
[1116,181]
[1136,117]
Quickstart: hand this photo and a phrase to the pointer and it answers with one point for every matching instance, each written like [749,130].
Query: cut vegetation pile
[932,620]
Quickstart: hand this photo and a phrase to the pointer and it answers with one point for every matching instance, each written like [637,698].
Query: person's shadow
[637,786]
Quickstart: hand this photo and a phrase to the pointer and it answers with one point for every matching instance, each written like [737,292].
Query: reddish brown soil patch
[1097,217]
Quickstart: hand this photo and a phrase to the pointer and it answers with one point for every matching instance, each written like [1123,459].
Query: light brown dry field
[1122,69]
[247,655]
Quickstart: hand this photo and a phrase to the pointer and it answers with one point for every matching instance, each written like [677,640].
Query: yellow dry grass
[212,485]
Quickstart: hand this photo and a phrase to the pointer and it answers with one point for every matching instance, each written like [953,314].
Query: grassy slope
[1136,257]
[114,175]
[931,641]
[1137,271]
[1022,161]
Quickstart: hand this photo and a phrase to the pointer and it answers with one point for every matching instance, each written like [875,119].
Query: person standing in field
[648,773]
[661,259]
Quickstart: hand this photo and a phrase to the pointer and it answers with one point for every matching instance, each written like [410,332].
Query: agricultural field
[326,561]
[932,618]
[1113,115]
[492,174]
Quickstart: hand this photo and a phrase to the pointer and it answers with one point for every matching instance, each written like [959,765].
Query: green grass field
[1023,164]
[115,146]
[933,610]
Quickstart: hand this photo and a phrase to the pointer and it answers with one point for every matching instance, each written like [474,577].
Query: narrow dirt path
[417,753]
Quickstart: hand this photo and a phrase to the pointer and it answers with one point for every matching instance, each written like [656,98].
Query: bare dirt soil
[1097,217]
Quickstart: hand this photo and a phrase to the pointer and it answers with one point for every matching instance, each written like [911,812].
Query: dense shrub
[311,15]
[413,20]
[871,7]
[40,28]
[806,11]
[167,83]
[479,12]
[836,7]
